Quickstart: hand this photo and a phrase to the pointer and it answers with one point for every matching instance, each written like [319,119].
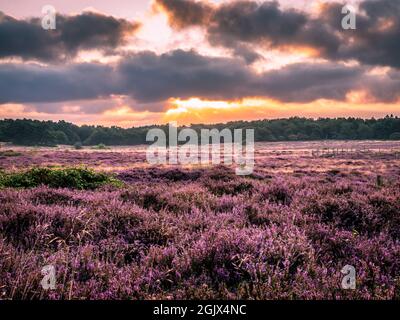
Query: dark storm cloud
[376,39]
[257,23]
[185,13]
[146,77]
[149,79]
[249,23]
[28,40]
[308,82]
[240,23]
[31,83]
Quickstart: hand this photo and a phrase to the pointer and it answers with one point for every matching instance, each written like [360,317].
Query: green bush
[73,178]
[78,146]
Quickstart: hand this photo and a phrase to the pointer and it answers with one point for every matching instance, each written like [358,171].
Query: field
[284,232]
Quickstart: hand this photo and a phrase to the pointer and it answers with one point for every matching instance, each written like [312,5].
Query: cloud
[150,79]
[84,107]
[308,82]
[33,83]
[184,74]
[185,13]
[245,24]
[26,39]
[96,106]
[376,39]
[240,23]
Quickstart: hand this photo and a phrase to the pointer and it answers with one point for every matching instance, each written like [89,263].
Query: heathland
[114,227]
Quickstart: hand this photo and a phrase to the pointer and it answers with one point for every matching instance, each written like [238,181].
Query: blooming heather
[284,232]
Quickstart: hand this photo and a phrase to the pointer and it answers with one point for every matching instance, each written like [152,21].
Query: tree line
[49,133]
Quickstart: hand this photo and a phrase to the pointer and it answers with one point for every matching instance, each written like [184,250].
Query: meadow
[116,228]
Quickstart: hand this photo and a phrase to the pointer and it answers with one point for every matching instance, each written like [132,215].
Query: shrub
[221,187]
[277,192]
[379,181]
[48,196]
[351,214]
[78,146]
[73,178]
[147,198]
[180,175]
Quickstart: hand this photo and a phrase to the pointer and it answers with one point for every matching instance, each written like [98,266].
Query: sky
[132,63]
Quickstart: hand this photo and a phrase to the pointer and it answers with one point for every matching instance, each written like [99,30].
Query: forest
[49,133]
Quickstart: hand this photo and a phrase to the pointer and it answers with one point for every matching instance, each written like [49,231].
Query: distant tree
[78,145]
[34,132]
[59,137]
[395,136]
[364,132]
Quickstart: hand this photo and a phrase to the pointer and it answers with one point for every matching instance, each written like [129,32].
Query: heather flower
[202,232]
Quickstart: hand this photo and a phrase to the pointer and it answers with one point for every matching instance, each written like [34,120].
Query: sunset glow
[199,158]
[196,110]
[173,60]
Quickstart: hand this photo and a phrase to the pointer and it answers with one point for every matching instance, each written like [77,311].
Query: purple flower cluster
[205,233]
